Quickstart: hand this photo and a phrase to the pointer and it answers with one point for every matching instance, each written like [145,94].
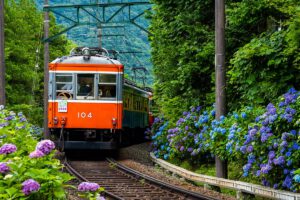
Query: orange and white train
[91,105]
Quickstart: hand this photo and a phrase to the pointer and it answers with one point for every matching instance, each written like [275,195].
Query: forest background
[262,53]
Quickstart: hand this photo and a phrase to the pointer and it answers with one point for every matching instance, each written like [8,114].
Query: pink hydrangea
[88,187]
[45,146]
[30,186]
[4,168]
[8,148]
[36,154]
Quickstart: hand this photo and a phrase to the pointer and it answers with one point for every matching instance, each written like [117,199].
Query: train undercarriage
[92,139]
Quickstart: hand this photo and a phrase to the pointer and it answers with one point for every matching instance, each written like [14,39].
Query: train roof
[133,85]
[82,60]
[89,55]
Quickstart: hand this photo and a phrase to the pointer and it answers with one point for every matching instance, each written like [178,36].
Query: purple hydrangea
[36,154]
[30,186]
[88,187]
[271,155]
[180,121]
[10,117]
[45,146]
[266,183]
[279,161]
[23,119]
[8,148]
[285,136]
[264,137]
[288,98]
[284,144]
[252,132]
[156,120]
[271,110]
[247,167]
[250,149]
[181,148]
[190,149]
[3,124]
[258,172]
[4,168]
[265,168]
[243,149]
[287,182]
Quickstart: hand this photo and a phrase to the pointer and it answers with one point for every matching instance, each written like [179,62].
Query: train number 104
[84,115]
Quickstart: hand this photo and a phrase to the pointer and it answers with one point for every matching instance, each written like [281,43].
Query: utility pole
[99,34]
[46,71]
[2,58]
[221,165]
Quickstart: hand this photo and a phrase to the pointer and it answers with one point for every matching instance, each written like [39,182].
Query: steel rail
[71,170]
[158,182]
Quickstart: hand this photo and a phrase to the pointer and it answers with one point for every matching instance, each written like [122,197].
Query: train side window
[107,86]
[64,86]
[85,86]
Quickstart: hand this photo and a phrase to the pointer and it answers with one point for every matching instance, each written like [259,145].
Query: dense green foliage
[262,54]
[24,56]
[263,142]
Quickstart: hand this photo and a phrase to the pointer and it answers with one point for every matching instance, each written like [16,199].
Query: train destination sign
[62,106]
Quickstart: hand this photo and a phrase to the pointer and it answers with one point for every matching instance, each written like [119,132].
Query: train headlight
[55,121]
[86,53]
[114,122]
[63,120]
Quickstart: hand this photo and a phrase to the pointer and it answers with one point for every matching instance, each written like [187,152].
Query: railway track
[121,182]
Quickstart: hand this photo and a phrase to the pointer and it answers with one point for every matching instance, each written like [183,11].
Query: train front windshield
[87,86]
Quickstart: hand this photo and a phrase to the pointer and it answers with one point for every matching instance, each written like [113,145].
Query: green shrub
[22,158]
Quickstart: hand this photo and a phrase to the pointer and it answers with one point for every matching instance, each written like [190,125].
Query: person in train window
[85,89]
[100,93]
[108,93]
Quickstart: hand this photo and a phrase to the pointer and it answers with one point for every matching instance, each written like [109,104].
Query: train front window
[107,86]
[85,86]
[64,86]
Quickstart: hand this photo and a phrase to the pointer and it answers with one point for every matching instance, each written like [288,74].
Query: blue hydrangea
[297,178]
[244,115]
